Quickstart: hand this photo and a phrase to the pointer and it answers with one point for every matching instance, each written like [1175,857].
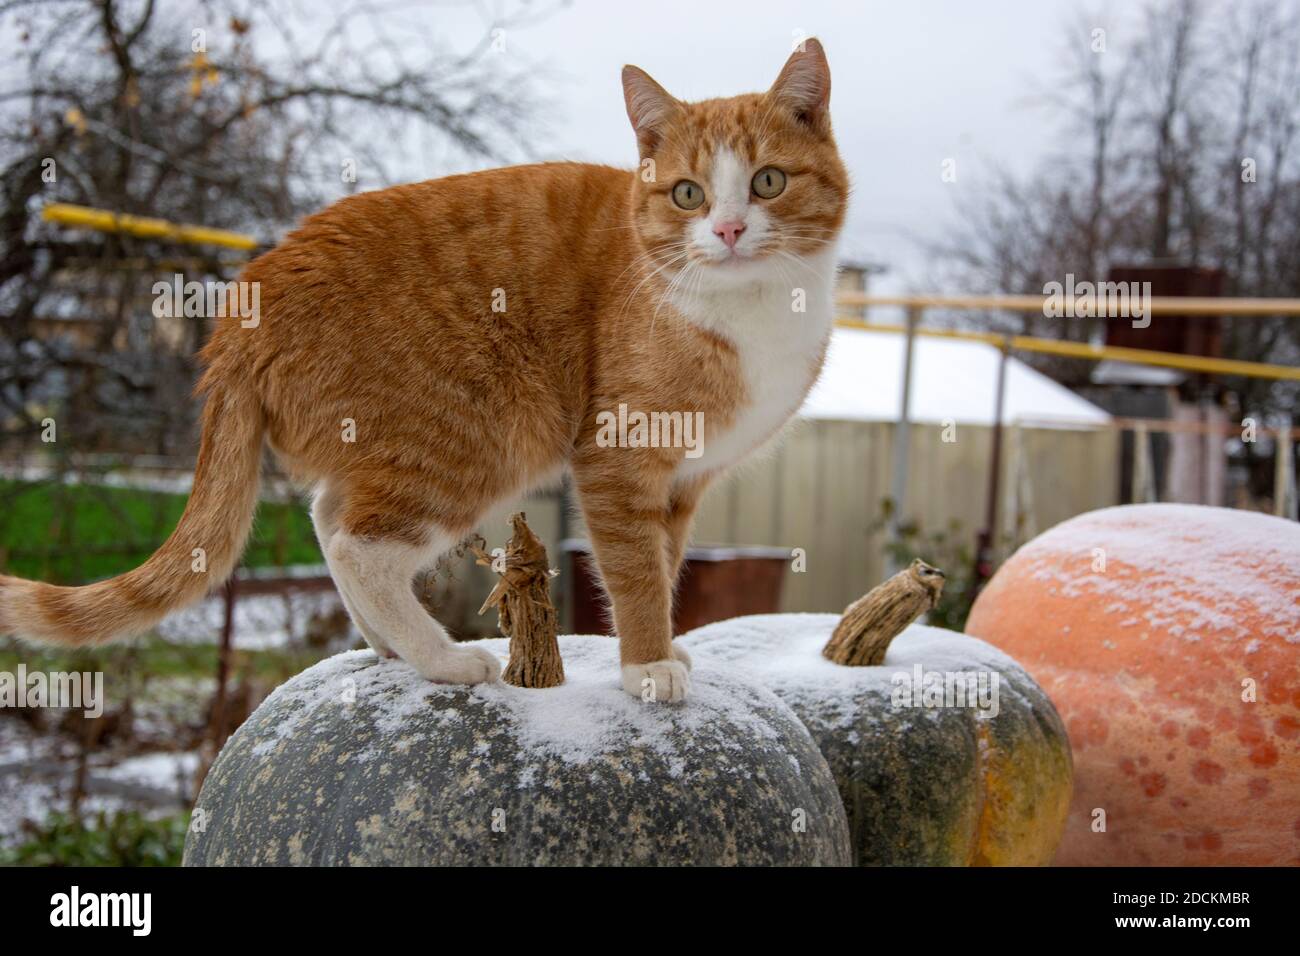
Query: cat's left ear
[805,86]
[649,106]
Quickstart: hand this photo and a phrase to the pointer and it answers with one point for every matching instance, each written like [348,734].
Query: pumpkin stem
[873,620]
[524,610]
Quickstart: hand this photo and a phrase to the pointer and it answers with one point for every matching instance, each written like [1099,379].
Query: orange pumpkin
[1168,637]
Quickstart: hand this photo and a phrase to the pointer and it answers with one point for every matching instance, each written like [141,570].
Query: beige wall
[822,491]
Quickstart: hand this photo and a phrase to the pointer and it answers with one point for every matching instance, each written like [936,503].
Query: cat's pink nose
[729,232]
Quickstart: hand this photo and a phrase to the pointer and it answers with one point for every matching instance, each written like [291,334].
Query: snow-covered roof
[952,379]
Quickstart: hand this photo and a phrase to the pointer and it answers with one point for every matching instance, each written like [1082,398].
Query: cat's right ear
[805,86]
[649,106]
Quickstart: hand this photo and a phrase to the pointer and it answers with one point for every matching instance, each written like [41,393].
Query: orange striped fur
[472,329]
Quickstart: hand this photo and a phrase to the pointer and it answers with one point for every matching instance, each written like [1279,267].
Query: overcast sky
[913,83]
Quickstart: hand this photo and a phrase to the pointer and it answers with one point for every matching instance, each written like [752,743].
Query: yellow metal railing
[67,214]
[103,220]
[1083,350]
[1159,304]
[1156,305]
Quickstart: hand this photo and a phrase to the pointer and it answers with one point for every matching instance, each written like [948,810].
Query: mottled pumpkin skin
[931,786]
[1142,623]
[358,761]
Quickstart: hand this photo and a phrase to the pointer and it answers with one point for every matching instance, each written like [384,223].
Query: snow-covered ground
[38,767]
[161,771]
[37,771]
[262,621]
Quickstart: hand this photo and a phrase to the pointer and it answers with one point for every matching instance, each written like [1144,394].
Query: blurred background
[993,152]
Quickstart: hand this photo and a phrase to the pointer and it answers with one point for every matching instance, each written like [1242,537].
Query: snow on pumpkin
[946,753]
[359,760]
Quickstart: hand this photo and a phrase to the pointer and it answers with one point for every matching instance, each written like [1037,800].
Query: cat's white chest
[779,333]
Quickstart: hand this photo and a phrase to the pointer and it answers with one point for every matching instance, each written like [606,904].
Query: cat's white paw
[665,682]
[461,665]
[679,652]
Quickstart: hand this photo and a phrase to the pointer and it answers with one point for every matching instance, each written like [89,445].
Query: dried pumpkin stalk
[873,620]
[524,610]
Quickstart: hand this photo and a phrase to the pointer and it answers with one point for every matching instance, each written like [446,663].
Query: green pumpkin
[360,761]
[934,784]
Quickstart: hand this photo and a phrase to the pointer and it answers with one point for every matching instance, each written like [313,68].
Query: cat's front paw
[679,652]
[460,665]
[665,682]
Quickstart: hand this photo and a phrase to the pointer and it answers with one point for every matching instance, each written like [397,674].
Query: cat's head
[737,185]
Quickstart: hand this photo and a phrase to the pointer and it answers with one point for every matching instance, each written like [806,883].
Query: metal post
[1144,479]
[902,441]
[1284,484]
[986,541]
[217,722]
[1011,504]
[1019,520]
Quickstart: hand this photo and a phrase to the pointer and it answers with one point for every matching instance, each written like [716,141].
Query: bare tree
[240,114]
[1190,129]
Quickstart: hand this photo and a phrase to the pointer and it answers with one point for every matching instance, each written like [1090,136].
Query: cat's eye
[688,195]
[769,182]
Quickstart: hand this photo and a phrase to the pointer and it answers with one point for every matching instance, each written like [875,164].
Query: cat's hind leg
[376,572]
[325,519]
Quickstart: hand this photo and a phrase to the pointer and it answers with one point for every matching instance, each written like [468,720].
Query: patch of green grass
[116,839]
[77,533]
[155,657]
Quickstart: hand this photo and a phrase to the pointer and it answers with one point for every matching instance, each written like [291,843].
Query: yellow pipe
[1159,304]
[1026,343]
[66,214]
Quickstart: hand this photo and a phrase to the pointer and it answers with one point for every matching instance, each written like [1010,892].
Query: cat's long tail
[200,554]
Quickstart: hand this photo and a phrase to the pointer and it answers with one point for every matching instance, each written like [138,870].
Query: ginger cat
[473,329]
